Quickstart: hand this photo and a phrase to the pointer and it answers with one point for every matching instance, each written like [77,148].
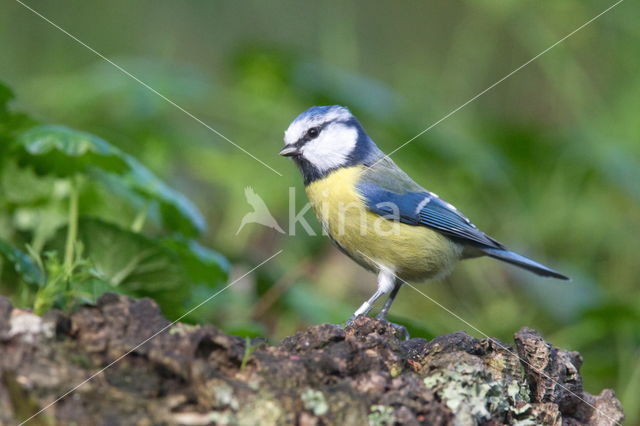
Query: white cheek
[331,148]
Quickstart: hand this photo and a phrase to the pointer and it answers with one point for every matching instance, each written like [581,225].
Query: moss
[314,401]
[223,418]
[263,411]
[395,369]
[474,395]
[223,394]
[471,393]
[381,415]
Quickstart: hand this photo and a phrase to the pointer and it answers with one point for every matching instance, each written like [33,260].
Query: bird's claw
[350,321]
[401,331]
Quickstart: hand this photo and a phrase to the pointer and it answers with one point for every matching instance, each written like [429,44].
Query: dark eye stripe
[310,134]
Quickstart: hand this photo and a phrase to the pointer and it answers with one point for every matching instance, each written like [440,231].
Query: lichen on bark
[326,374]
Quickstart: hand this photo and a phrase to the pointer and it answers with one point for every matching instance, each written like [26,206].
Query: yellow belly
[414,252]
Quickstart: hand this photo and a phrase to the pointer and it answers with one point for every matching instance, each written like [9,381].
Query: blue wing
[423,208]
[391,193]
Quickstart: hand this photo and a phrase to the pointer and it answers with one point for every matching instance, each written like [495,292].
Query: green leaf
[6,95]
[202,265]
[23,264]
[20,185]
[136,265]
[125,258]
[65,152]
[10,122]
[177,212]
[88,292]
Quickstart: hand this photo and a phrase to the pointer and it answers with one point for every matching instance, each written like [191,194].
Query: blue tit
[376,214]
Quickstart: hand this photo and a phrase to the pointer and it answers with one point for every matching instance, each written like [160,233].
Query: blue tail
[523,262]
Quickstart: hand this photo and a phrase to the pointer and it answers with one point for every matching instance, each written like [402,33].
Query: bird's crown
[315,117]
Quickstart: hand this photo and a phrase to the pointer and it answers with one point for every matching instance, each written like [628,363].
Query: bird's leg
[401,330]
[386,280]
[382,315]
[366,306]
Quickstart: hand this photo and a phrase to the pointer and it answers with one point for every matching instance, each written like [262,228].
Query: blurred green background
[547,162]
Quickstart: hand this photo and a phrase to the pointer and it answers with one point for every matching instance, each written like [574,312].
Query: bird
[376,214]
[260,213]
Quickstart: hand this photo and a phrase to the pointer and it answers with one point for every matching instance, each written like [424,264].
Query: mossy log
[325,375]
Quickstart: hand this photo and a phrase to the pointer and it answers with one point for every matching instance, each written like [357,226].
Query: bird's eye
[313,132]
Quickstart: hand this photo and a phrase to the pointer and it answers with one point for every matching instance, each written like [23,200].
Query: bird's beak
[289,151]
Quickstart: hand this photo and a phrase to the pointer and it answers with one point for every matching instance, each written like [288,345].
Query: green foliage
[249,349]
[381,415]
[176,211]
[64,152]
[23,265]
[314,401]
[75,259]
[10,122]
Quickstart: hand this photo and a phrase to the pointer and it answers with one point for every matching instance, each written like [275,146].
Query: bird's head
[326,138]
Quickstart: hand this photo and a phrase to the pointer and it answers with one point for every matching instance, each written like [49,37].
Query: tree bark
[358,375]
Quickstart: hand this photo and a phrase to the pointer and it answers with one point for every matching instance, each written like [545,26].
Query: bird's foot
[350,321]
[400,331]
